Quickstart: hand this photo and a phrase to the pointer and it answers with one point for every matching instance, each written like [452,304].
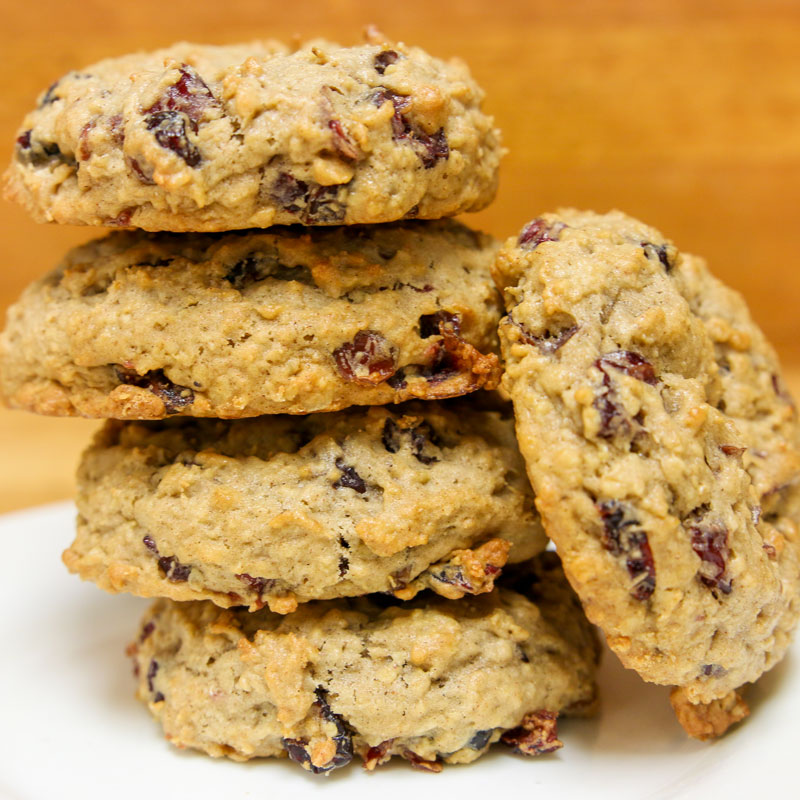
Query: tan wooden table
[683,112]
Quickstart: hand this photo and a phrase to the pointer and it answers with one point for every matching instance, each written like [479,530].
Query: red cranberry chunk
[150,544]
[169,128]
[537,734]
[550,342]
[421,763]
[384,59]
[152,670]
[630,363]
[368,359]
[342,143]
[147,631]
[623,537]
[350,478]
[258,585]
[480,739]
[658,251]
[190,95]
[173,570]
[24,140]
[710,542]
[431,324]
[538,231]
[312,203]
[173,396]
[342,738]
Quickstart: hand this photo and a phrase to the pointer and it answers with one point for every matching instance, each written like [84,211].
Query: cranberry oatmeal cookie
[279,510]
[214,138]
[294,320]
[433,681]
[663,449]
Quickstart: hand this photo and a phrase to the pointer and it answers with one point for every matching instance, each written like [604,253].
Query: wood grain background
[685,113]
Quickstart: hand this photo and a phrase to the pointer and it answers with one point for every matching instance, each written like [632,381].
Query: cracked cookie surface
[295,320]
[214,138]
[279,510]
[663,449]
[431,680]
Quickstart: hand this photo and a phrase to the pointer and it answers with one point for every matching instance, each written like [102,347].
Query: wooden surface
[683,112]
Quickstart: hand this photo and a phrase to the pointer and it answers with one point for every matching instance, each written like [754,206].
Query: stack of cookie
[252,474]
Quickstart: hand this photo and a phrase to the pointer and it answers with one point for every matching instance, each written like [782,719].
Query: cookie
[663,449]
[217,138]
[434,681]
[279,510]
[295,320]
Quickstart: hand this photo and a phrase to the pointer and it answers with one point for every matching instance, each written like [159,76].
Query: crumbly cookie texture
[434,681]
[215,138]
[295,320]
[663,449]
[279,510]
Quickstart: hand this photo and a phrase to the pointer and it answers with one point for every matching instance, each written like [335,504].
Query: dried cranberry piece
[421,763]
[37,153]
[537,734]
[258,585]
[173,396]
[539,230]
[621,536]
[710,542]
[398,380]
[173,570]
[431,324]
[190,96]
[344,566]
[549,342]
[713,671]
[377,755]
[641,566]
[158,697]
[150,544]
[147,631]
[169,128]
[310,201]
[342,143]
[350,478]
[50,95]
[368,359]
[732,449]
[140,173]
[659,251]
[480,739]
[152,670]
[630,363]
[297,749]
[122,220]
[420,435]
[430,148]
[343,737]
[390,435]
[384,59]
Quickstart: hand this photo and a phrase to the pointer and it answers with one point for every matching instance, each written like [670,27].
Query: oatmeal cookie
[434,681]
[279,510]
[215,138]
[294,320]
[663,449]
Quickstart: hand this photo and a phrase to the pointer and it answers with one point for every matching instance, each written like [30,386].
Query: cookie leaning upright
[663,449]
[213,138]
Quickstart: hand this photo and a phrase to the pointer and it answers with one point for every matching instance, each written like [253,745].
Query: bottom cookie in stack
[431,680]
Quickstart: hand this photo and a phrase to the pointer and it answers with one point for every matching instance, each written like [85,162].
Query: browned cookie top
[213,138]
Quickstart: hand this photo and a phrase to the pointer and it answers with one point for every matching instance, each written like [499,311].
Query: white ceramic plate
[70,727]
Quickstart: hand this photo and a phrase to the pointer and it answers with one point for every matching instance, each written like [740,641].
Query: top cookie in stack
[216,138]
